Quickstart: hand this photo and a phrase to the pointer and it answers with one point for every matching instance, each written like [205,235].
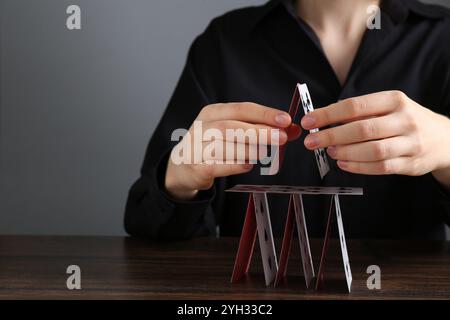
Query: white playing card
[295,189]
[320,154]
[265,235]
[345,259]
[249,188]
[305,249]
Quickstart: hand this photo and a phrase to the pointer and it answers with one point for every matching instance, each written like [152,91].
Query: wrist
[173,186]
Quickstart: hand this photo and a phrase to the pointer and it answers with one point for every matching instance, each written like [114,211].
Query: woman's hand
[183,181]
[383,133]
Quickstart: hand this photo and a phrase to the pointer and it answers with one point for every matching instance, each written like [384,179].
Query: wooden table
[128,268]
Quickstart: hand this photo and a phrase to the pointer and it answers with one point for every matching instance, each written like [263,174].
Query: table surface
[33,267]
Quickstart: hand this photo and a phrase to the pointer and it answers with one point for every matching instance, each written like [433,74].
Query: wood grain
[129,268]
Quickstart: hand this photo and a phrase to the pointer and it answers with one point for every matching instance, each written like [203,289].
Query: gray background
[78,107]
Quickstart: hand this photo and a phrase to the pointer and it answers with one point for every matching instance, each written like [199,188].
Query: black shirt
[258,54]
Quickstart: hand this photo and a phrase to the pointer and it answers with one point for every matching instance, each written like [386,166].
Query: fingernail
[308,121]
[283,119]
[332,151]
[311,141]
[342,164]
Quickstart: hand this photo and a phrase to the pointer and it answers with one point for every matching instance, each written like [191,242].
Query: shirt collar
[397,10]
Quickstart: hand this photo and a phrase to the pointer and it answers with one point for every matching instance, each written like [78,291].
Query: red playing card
[287,243]
[305,250]
[295,102]
[246,243]
[326,241]
[293,109]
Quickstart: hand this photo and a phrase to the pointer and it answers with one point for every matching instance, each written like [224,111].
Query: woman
[384,95]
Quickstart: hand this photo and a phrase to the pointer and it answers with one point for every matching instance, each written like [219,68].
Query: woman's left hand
[381,133]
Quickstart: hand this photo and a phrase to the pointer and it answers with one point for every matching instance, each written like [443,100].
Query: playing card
[320,154]
[345,259]
[279,156]
[246,243]
[249,188]
[265,235]
[295,189]
[305,250]
[287,242]
[326,241]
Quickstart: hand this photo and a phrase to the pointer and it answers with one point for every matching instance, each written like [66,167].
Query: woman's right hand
[183,181]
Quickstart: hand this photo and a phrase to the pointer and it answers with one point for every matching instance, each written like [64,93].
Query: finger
[373,150]
[384,167]
[374,104]
[224,170]
[246,112]
[224,152]
[356,119]
[358,131]
[243,132]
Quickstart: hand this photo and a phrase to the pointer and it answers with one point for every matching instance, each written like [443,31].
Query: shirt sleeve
[150,211]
